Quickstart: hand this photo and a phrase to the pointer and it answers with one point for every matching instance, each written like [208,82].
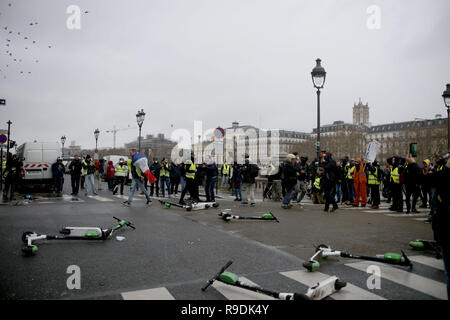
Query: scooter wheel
[24,236]
[29,250]
[215,205]
[207,206]
[339,284]
[189,208]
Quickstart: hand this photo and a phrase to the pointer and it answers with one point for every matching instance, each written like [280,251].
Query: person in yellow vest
[164,177]
[120,175]
[190,170]
[317,187]
[374,183]
[396,186]
[350,169]
[225,175]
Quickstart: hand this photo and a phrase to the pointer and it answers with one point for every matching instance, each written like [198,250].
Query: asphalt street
[172,252]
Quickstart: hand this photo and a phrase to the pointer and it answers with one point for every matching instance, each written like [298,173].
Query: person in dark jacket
[249,172]
[58,170]
[154,169]
[412,184]
[11,174]
[211,179]
[236,181]
[441,219]
[175,177]
[290,175]
[331,173]
[75,168]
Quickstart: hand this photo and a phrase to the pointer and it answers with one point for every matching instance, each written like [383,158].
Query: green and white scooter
[71,233]
[227,216]
[324,251]
[190,205]
[427,245]
[320,291]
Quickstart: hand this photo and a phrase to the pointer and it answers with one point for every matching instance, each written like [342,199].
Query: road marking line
[46,202]
[407,215]
[421,219]
[349,292]
[236,293]
[428,286]
[149,294]
[428,261]
[99,198]
[376,211]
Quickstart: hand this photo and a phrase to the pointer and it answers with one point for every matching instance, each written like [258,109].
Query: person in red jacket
[360,183]
[110,171]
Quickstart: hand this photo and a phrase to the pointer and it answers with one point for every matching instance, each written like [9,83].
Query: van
[38,158]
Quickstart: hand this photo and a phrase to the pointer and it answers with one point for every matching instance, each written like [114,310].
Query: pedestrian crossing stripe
[99,198]
[236,293]
[402,215]
[350,292]
[429,261]
[149,294]
[405,278]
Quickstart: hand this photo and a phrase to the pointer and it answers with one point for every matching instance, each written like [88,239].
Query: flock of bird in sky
[18,47]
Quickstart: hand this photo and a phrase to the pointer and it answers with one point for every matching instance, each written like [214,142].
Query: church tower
[361,114]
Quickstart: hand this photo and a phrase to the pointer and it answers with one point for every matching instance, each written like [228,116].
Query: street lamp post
[63,140]
[140,116]
[318,75]
[446,96]
[96,134]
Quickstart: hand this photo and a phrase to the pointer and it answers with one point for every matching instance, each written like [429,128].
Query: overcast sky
[216,61]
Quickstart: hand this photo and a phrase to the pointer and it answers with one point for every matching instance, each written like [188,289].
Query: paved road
[173,252]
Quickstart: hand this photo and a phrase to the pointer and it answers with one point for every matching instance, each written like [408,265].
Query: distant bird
[49,46]
[29,72]
[9,4]
[86,12]
[31,24]
[6,28]
[34,41]
[26,48]
[37,61]
[26,38]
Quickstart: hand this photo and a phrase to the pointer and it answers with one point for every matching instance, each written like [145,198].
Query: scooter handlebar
[128,223]
[210,281]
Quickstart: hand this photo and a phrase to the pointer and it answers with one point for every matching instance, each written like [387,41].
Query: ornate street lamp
[446,96]
[63,140]
[318,75]
[96,134]
[140,116]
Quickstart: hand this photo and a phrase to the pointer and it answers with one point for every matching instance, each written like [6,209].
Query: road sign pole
[9,139]
[1,167]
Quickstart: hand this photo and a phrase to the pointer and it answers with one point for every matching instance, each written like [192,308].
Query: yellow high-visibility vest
[129,164]
[121,170]
[226,169]
[164,171]
[317,183]
[350,173]
[395,176]
[373,178]
[191,175]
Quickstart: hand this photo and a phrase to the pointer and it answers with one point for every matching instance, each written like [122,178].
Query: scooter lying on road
[324,251]
[72,233]
[429,245]
[227,216]
[190,205]
[320,291]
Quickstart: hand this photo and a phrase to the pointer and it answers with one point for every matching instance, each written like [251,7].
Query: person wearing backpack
[249,172]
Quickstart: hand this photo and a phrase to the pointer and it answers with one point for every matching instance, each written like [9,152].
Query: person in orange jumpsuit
[360,183]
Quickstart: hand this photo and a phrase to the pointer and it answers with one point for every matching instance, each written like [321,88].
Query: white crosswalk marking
[429,261]
[149,294]
[99,198]
[407,215]
[405,278]
[236,293]
[349,292]
[66,197]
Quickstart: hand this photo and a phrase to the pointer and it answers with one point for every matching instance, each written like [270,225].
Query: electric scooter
[321,290]
[324,251]
[189,206]
[430,245]
[227,216]
[72,233]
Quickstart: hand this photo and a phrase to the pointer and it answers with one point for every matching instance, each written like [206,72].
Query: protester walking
[75,167]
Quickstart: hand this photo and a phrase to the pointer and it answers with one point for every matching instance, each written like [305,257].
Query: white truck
[38,158]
